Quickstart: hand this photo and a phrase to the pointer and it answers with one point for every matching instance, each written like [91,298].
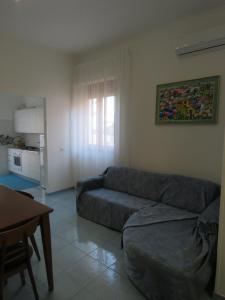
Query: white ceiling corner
[77,25]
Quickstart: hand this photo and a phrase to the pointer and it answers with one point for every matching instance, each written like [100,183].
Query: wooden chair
[32,238]
[15,254]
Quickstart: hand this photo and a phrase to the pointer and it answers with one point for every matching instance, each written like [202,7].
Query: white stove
[15,160]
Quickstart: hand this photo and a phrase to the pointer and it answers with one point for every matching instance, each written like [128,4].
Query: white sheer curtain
[100,115]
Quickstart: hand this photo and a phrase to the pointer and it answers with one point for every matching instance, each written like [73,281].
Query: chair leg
[1,288]
[35,247]
[22,276]
[31,275]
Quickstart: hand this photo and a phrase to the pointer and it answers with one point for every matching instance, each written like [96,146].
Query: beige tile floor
[87,259]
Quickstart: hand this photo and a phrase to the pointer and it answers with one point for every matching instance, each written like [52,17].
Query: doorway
[23,142]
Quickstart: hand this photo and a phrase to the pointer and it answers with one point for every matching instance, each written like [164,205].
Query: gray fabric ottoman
[170,253]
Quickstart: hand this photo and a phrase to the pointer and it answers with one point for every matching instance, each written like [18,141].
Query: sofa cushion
[189,193]
[167,260]
[135,182]
[146,184]
[166,255]
[110,208]
[156,238]
[117,179]
[211,214]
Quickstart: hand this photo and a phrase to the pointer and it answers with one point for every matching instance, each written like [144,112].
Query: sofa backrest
[135,182]
[180,191]
[189,193]
[146,184]
[117,179]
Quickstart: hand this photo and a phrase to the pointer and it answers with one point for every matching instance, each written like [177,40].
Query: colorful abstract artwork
[192,101]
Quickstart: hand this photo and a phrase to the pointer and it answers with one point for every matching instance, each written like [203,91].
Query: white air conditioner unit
[210,39]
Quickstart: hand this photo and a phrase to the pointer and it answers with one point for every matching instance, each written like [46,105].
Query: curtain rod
[105,57]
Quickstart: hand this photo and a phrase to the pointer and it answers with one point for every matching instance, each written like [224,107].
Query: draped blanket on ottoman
[169,253]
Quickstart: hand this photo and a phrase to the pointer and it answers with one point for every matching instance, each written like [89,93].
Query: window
[100,114]
[101,121]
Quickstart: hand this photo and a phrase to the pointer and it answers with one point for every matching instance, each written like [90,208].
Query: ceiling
[79,25]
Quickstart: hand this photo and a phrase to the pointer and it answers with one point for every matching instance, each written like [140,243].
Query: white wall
[32,139]
[8,104]
[30,70]
[194,150]
[34,101]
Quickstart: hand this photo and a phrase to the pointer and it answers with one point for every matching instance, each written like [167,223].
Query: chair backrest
[17,234]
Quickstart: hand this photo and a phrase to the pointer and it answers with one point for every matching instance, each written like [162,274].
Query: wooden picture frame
[190,101]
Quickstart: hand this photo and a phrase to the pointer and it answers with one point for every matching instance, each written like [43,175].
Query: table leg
[46,240]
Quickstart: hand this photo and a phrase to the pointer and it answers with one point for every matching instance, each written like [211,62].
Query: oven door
[17,162]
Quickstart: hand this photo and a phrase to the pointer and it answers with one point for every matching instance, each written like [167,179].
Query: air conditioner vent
[197,42]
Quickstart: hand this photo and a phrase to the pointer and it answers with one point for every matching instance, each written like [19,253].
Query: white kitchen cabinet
[29,120]
[31,164]
[24,162]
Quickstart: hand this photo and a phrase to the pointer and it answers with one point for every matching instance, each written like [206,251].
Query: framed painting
[191,101]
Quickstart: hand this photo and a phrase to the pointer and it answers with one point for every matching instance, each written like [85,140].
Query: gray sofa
[169,225]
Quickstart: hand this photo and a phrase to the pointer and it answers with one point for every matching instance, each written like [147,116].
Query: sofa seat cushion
[109,208]
[169,259]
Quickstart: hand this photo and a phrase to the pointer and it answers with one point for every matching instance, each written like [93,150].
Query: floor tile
[106,257]
[70,235]
[14,290]
[86,246]
[86,270]
[39,271]
[65,288]
[119,267]
[109,285]
[67,256]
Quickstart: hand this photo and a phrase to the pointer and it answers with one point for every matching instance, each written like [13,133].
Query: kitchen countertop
[24,149]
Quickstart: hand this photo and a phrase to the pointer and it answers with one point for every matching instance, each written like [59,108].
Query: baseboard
[58,191]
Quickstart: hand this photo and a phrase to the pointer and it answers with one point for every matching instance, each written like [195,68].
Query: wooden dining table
[16,209]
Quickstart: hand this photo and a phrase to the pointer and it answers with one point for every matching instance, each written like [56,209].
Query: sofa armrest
[88,184]
[208,220]
[211,214]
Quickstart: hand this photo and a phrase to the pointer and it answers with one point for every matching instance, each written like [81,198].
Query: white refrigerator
[43,169]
